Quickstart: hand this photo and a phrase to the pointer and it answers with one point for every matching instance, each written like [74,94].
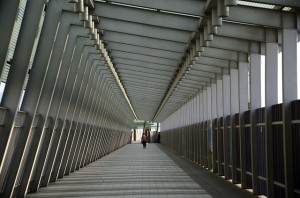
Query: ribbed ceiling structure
[146,44]
[164,52]
[167,51]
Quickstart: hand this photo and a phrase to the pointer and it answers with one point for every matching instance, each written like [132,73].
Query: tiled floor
[136,172]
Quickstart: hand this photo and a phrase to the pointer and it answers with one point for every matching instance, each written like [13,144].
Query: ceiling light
[287,9]
[258,5]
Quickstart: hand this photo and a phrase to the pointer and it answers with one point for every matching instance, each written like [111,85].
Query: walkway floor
[136,172]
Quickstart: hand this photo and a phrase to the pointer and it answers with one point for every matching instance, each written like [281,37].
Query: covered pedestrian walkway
[132,172]
[220,77]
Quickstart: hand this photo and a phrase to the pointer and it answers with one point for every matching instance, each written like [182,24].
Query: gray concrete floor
[136,172]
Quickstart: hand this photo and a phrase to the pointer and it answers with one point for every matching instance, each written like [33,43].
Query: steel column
[68,109]
[226,112]
[271,99]
[59,107]
[255,103]
[214,126]
[14,87]
[83,119]
[289,86]
[219,125]
[68,156]
[234,108]
[243,106]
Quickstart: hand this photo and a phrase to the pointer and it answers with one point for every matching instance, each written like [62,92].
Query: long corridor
[132,171]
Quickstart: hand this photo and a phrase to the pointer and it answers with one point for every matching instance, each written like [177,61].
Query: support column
[220,124]
[195,129]
[47,101]
[226,112]
[19,65]
[289,86]
[243,106]
[198,129]
[59,108]
[201,128]
[96,104]
[255,103]
[75,125]
[71,84]
[208,130]
[204,128]
[214,131]
[90,126]
[67,109]
[234,108]
[271,99]
[81,124]
[84,129]
[39,68]
[14,88]
[27,105]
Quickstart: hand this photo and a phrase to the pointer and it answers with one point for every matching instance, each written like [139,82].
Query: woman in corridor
[144,140]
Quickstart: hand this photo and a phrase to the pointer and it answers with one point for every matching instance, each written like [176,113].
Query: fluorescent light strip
[287,9]
[258,5]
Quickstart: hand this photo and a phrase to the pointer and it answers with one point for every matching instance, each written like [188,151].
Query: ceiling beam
[206,68]
[148,17]
[137,58]
[196,86]
[148,88]
[221,54]
[261,16]
[145,54]
[120,65]
[144,50]
[193,7]
[201,74]
[147,58]
[195,81]
[197,78]
[142,41]
[145,70]
[188,88]
[212,61]
[178,36]
[149,76]
[136,96]
[243,31]
[133,77]
[143,64]
[136,85]
[234,44]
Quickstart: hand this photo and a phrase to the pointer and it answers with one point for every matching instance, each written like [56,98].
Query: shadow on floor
[210,182]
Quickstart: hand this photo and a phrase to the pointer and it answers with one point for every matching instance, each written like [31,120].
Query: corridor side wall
[62,107]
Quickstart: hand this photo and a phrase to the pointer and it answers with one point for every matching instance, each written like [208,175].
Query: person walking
[144,140]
